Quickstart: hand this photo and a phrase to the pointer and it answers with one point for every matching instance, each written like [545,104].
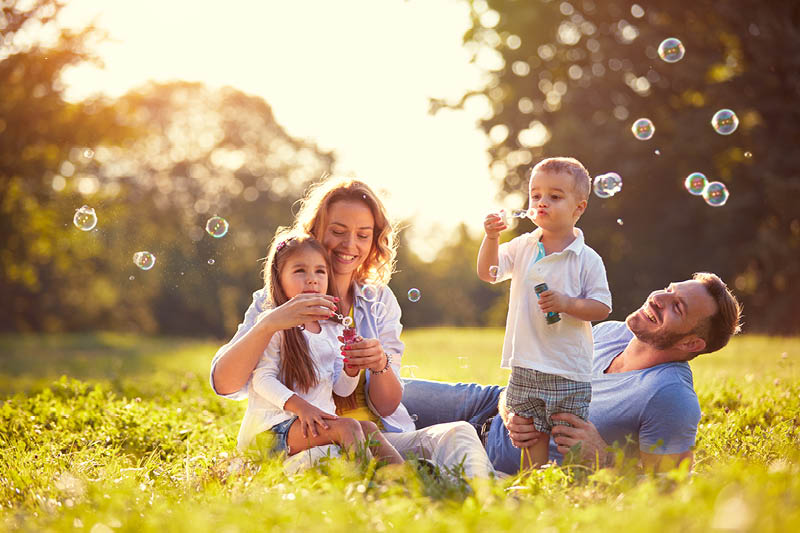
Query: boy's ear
[580,208]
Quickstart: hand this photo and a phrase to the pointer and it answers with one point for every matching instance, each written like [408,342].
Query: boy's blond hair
[570,166]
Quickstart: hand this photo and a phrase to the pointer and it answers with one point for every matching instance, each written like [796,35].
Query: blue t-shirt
[655,407]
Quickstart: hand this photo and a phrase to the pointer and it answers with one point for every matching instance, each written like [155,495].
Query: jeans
[436,402]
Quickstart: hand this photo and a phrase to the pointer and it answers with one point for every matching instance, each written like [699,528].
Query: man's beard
[660,340]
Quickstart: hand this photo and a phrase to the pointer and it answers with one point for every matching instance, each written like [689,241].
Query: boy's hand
[553,301]
[493,224]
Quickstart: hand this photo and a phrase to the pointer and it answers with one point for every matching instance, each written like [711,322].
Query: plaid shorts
[538,395]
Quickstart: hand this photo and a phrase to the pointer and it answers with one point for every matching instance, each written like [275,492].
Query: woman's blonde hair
[297,370]
[312,219]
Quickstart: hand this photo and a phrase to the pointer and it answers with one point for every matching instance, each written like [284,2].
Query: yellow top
[362,410]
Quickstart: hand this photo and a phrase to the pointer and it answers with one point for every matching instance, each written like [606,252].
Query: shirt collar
[575,246]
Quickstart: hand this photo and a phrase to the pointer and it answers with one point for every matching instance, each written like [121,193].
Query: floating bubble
[217,227]
[347,321]
[620,221]
[144,260]
[414,417]
[695,183]
[85,218]
[493,271]
[414,295]
[131,278]
[725,122]
[514,213]
[607,185]
[671,50]
[748,155]
[407,371]
[88,153]
[463,362]
[716,194]
[643,129]
[379,310]
[370,293]
[657,152]
[211,261]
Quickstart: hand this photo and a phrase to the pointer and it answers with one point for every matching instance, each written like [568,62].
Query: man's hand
[520,429]
[583,432]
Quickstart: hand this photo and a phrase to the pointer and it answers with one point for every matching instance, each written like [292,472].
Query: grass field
[133,439]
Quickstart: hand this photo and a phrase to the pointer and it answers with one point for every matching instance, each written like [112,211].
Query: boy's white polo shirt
[563,348]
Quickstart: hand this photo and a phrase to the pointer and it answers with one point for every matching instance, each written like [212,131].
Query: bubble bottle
[349,332]
[552,317]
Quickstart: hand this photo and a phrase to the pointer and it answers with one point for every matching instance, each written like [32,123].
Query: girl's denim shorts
[281,432]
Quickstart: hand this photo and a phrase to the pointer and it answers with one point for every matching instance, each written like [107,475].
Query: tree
[570,78]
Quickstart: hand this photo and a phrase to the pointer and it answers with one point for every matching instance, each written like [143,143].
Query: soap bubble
[463,362]
[748,155]
[493,271]
[370,293]
[607,185]
[620,221]
[671,50]
[144,260]
[211,261]
[85,218]
[657,152]
[716,194]
[217,227]
[414,417]
[131,278]
[347,321]
[407,371]
[643,129]
[414,295]
[88,153]
[514,213]
[379,310]
[695,183]
[725,122]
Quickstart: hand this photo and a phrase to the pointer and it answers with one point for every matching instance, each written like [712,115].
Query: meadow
[107,432]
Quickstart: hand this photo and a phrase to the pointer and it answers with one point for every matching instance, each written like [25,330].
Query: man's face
[669,315]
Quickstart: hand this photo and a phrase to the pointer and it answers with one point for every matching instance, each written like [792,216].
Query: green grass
[134,440]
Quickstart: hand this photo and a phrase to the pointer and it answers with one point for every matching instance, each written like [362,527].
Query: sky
[354,76]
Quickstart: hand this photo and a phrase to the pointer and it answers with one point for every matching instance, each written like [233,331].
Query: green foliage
[136,441]
[587,70]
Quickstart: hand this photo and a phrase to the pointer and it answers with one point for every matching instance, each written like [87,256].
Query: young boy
[550,358]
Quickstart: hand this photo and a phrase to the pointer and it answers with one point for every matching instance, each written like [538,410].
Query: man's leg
[436,402]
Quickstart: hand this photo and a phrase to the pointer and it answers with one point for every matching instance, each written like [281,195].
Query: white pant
[448,445]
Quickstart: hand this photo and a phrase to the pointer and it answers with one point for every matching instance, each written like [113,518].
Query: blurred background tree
[155,164]
[570,78]
[561,78]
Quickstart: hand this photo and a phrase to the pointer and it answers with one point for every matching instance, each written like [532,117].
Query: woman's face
[348,235]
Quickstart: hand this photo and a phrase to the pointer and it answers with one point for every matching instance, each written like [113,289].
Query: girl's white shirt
[386,329]
[268,395]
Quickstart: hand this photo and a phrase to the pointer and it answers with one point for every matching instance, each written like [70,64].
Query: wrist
[383,368]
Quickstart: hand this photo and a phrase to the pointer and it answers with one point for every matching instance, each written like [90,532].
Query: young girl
[291,388]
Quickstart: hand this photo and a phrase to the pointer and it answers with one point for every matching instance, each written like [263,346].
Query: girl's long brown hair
[297,370]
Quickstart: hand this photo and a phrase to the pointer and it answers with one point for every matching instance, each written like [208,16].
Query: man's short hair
[570,166]
[718,329]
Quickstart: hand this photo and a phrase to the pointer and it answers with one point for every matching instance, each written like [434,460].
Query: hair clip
[281,244]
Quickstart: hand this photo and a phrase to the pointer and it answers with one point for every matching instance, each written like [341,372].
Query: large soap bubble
[414,295]
[607,185]
[725,122]
[144,260]
[671,50]
[217,227]
[695,183]
[85,218]
[643,129]
[716,194]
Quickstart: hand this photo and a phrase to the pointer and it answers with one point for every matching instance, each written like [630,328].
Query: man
[643,396]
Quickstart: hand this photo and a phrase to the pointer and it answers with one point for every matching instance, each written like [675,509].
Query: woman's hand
[304,307]
[364,354]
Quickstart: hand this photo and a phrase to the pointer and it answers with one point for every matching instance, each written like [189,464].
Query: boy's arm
[580,308]
[488,255]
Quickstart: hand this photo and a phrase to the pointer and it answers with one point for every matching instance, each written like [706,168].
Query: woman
[347,217]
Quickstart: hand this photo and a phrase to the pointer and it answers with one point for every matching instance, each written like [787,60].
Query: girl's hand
[304,307]
[493,224]
[310,417]
[364,354]
[553,301]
